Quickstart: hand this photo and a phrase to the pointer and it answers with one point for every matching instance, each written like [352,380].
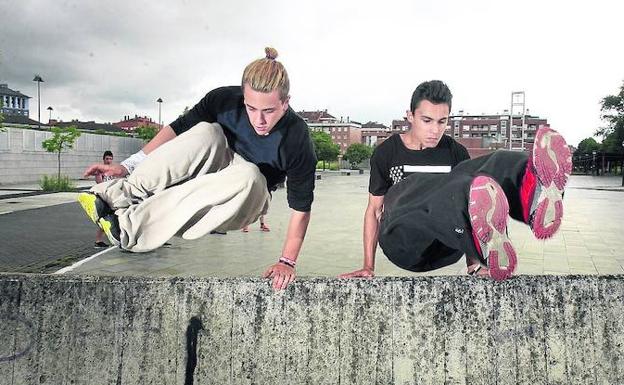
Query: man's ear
[410,116]
[285,103]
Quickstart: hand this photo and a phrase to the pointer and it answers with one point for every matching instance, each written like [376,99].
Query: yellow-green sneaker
[94,206]
[110,225]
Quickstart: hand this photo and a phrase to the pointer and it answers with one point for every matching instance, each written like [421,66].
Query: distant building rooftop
[88,126]
[317,116]
[20,120]
[6,91]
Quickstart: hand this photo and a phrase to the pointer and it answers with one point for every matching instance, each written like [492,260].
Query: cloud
[356,58]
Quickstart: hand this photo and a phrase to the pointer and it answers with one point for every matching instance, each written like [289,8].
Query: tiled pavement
[590,240]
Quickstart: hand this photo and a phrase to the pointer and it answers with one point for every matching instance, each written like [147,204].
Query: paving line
[67,269]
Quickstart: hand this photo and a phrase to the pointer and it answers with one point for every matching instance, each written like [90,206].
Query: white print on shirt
[398,173]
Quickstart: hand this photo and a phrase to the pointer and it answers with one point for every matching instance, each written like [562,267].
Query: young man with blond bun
[213,169]
[429,204]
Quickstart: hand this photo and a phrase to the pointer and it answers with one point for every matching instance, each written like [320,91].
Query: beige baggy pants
[189,186]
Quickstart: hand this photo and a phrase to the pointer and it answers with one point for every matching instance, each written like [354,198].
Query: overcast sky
[362,59]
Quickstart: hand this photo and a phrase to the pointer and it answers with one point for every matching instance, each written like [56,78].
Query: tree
[184,112]
[146,132]
[612,108]
[357,153]
[325,149]
[587,146]
[62,139]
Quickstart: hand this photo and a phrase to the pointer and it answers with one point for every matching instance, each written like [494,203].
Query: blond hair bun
[271,53]
[266,75]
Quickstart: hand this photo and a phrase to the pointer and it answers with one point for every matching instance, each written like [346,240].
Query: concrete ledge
[429,330]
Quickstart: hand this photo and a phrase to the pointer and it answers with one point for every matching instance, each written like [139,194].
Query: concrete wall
[22,159]
[428,330]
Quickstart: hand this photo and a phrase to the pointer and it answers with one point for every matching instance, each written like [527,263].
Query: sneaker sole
[106,227]
[87,201]
[489,210]
[552,165]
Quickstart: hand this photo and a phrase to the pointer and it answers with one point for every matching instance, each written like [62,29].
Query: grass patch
[332,166]
[60,263]
[53,183]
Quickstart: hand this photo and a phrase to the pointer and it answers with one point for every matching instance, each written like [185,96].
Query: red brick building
[400,125]
[374,133]
[483,134]
[129,124]
[343,132]
[496,130]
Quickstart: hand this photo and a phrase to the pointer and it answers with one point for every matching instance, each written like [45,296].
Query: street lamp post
[39,80]
[159,101]
[50,109]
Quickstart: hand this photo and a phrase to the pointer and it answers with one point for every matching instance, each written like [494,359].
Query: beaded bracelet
[287,262]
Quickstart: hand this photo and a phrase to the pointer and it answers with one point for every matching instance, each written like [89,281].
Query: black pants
[425,224]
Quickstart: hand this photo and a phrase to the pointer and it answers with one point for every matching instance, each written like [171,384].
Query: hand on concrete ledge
[362,273]
[282,275]
[114,170]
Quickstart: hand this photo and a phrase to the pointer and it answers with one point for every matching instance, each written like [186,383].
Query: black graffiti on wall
[192,333]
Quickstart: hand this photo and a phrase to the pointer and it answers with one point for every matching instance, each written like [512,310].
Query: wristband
[287,262]
[133,161]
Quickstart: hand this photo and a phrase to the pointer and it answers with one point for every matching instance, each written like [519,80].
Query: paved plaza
[589,242]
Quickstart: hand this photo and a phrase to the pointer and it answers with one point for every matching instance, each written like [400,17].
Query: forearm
[371,234]
[163,136]
[295,234]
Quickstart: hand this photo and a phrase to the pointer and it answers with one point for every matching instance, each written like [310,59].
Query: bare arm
[163,136]
[117,170]
[282,274]
[372,217]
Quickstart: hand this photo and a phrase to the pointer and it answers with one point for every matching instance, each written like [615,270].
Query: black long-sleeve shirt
[287,151]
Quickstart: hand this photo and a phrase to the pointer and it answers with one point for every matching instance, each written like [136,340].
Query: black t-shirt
[286,152]
[392,161]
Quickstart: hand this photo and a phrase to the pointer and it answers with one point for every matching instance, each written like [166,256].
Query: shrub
[53,183]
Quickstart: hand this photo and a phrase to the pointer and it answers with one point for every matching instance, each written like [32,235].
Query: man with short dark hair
[429,204]
[100,177]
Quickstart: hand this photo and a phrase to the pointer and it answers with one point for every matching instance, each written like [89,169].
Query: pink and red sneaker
[489,210]
[541,194]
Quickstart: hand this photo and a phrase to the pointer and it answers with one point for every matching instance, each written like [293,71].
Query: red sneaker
[549,166]
[488,209]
